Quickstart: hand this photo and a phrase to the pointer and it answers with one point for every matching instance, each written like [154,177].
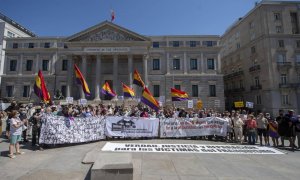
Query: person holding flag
[149,100]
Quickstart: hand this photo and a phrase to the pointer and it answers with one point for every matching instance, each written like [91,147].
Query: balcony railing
[284,63]
[289,85]
[257,87]
[234,90]
[254,68]
[235,74]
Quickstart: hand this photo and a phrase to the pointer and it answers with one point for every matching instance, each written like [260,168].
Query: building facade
[261,58]
[108,52]
[9,29]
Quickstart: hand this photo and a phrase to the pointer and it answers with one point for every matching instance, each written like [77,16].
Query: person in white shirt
[16,133]
[238,127]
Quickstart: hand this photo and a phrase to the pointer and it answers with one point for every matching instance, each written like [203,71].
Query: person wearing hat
[36,125]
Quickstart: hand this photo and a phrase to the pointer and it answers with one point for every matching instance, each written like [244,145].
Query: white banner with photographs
[131,126]
[188,148]
[64,130]
[189,127]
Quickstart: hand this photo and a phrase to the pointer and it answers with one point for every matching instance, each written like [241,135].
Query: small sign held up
[69,100]
[82,101]
[190,104]
[239,104]
[249,104]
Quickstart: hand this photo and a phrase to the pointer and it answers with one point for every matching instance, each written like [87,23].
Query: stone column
[20,67]
[70,76]
[83,71]
[37,67]
[168,63]
[130,70]
[202,64]
[184,63]
[53,64]
[219,63]
[145,66]
[97,78]
[115,73]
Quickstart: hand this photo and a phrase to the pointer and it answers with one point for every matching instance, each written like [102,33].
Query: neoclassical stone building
[108,52]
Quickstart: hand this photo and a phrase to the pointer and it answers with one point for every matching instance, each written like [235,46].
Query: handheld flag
[40,88]
[137,79]
[80,80]
[128,92]
[112,15]
[106,90]
[149,100]
[178,95]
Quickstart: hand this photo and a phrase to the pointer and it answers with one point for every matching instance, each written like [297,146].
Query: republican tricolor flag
[40,88]
[178,95]
[137,79]
[127,91]
[112,15]
[149,100]
[81,81]
[106,90]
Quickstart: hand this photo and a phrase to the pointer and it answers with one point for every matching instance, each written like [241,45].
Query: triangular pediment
[106,31]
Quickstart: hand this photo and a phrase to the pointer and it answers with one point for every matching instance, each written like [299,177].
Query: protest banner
[190,104]
[249,104]
[189,127]
[189,148]
[69,100]
[63,130]
[131,127]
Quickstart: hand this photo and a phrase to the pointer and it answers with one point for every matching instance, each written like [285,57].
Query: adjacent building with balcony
[261,57]
[10,29]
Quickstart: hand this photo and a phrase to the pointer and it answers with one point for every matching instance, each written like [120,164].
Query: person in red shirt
[251,127]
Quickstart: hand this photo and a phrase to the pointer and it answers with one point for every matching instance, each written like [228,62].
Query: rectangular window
[212,90]
[156,90]
[31,45]
[284,99]
[193,63]
[10,34]
[278,29]
[238,45]
[177,87]
[256,81]
[280,43]
[155,44]
[253,50]
[175,43]
[298,43]
[277,16]
[283,79]
[176,64]
[281,58]
[211,64]
[294,20]
[241,84]
[26,91]
[298,77]
[45,65]
[65,65]
[63,90]
[195,90]
[47,45]
[13,65]
[258,99]
[9,91]
[209,43]
[192,43]
[29,64]
[15,45]
[251,25]
[156,64]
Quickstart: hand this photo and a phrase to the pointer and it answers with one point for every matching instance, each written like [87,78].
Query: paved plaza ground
[65,163]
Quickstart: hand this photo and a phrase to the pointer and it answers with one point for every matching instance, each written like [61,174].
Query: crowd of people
[25,120]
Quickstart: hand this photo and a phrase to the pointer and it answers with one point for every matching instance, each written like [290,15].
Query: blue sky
[146,17]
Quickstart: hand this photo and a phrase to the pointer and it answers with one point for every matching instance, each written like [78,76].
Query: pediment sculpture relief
[109,34]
